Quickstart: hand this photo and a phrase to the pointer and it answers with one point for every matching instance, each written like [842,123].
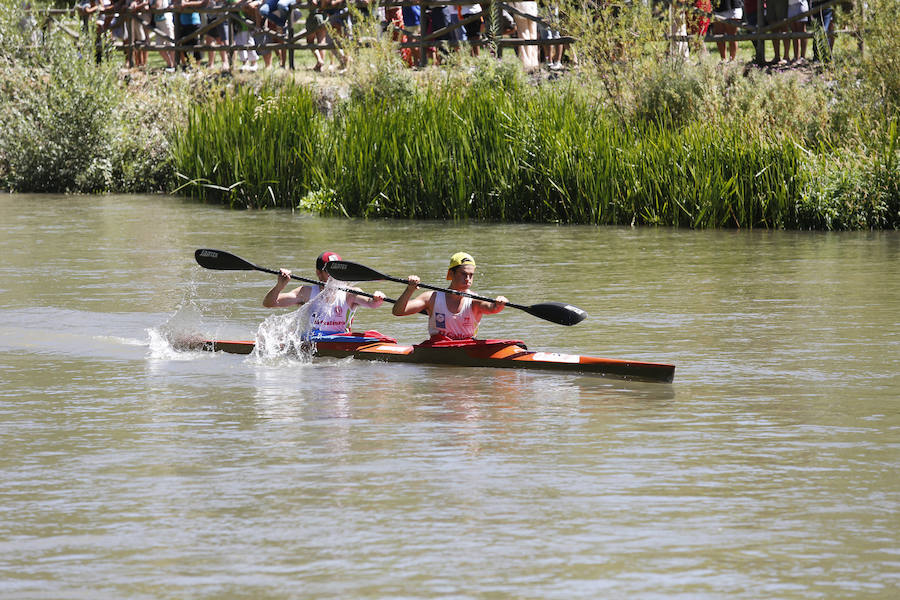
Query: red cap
[324,258]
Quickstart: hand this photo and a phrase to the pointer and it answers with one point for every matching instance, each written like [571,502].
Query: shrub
[57,127]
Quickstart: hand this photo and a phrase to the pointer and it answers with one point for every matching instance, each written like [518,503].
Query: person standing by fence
[796,7]
[137,29]
[164,31]
[189,23]
[776,12]
[526,29]
[243,37]
[823,25]
[217,35]
[412,23]
[751,17]
[728,13]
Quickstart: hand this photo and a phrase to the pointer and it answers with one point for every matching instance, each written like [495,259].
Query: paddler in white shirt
[449,316]
[332,313]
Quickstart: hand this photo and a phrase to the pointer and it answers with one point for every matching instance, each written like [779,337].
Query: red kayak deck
[504,354]
[337,346]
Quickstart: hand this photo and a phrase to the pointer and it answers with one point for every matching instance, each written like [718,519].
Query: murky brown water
[767,470]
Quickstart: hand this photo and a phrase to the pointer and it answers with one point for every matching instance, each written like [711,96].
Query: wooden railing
[292,39]
[765,32]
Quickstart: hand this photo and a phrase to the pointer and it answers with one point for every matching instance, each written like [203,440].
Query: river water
[768,469]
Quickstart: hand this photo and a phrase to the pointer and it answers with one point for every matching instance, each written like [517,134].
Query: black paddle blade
[344,270]
[222,261]
[557,312]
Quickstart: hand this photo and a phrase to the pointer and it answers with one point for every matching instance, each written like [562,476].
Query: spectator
[393,22]
[823,19]
[776,13]
[678,29]
[137,30]
[86,8]
[317,24]
[526,29]
[164,31]
[728,12]
[796,7]
[696,23]
[412,23]
[751,18]
[189,23]
[437,18]
[316,33]
[273,15]
[553,52]
[340,22]
[113,22]
[243,37]
[217,35]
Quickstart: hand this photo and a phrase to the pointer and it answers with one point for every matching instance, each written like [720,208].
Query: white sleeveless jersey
[329,312]
[456,326]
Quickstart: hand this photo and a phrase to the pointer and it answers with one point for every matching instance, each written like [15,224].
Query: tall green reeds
[251,148]
[457,152]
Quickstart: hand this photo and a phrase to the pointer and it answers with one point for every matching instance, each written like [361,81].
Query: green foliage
[873,77]
[632,137]
[672,94]
[855,192]
[71,125]
[542,154]
[57,125]
[391,82]
[245,146]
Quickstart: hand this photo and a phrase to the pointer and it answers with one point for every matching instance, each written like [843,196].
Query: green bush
[57,124]
[855,192]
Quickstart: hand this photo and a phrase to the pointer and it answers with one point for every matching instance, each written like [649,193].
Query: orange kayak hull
[504,354]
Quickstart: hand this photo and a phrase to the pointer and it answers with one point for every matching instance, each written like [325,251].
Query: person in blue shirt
[188,22]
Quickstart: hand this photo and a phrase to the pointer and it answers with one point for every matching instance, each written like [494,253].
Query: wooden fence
[763,31]
[291,39]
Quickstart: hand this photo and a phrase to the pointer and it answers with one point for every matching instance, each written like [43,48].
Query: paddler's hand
[412,282]
[284,277]
[377,299]
[499,303]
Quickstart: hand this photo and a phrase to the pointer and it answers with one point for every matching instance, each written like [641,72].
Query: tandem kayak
[506,354]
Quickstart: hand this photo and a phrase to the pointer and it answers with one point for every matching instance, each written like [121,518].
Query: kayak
[506,354]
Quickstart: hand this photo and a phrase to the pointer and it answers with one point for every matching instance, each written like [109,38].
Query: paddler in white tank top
[449,316]
[331,317]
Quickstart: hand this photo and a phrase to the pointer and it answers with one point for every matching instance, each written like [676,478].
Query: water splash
[173,346]
[182,333]
[287,336]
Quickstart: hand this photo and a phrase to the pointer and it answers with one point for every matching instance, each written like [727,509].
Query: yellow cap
[461,258]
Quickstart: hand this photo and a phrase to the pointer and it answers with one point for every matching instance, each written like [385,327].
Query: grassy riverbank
[631,137]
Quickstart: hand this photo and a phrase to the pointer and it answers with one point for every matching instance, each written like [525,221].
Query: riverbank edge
[835,189]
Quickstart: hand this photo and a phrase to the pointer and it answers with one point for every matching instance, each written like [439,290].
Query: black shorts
[473,29]
[218,33]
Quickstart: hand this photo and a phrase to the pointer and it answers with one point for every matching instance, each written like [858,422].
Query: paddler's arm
[374,302]
[406,304]
[276,299]
[490,308]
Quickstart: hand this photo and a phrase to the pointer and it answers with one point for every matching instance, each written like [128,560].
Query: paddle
[556,312]
[220,260]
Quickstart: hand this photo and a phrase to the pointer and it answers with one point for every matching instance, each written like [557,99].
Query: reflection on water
[133,468]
